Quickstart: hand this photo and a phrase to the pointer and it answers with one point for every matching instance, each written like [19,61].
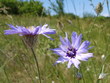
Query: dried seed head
[99,8]
[102,76]
[4,10]
[69,21]
[103,57]
[60,24]
[79,76]
[53,81]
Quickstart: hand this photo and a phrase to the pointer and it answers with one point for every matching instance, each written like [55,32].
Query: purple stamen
[71,53]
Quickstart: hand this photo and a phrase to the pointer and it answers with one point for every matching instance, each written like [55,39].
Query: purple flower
[30,31]
[30,34]
[73,51]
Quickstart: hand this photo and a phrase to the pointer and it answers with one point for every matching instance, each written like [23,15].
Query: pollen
[32,28]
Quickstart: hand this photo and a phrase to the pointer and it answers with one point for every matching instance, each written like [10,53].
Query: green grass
[17,63]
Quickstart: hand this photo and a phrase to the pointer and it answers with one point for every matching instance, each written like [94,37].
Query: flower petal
[37,30]
[49,31]
[69,64]
[11,26]
[76,62]
[78,42]
[62,41]
[84,45]
[90,47]
[82,51]
[67,41]
[25,31]
[73,38]
[84,57]
[9,32]
[64,48]
[61,60]
[47,36]
[44,30]
[44,26]
[60,53]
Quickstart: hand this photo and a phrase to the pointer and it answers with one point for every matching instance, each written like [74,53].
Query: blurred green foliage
[87,14]
[101,18]
[21,7]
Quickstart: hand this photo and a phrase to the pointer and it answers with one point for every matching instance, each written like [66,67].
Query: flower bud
[79,76]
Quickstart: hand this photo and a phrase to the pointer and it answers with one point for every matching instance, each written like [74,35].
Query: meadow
[17,63]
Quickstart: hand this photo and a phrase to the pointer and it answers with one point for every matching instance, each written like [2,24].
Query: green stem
[6,75]
[98,81]
[36,63]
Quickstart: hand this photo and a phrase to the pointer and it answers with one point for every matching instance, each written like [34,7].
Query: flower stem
[36,64]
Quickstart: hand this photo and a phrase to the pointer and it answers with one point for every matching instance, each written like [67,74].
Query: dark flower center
[71,53]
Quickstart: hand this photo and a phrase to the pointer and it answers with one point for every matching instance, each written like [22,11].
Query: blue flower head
[30,34]
[73,51]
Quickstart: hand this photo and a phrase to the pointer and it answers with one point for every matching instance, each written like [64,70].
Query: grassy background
[17,63]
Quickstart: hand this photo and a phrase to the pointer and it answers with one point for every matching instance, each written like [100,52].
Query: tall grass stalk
[107,2]
[6,75]
[23,65]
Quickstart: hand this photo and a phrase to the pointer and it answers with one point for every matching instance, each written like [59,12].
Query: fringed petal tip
[51,38]
[47,36]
